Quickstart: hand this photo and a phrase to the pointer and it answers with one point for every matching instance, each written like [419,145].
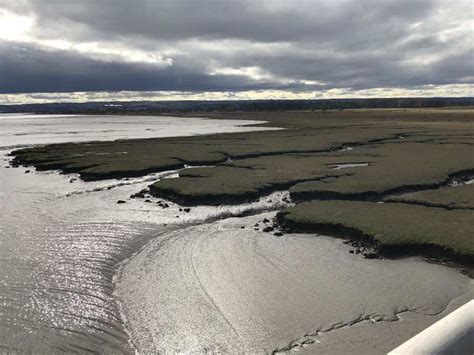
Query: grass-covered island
[397,178]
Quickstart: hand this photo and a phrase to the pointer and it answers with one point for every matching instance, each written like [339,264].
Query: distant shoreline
[210,106]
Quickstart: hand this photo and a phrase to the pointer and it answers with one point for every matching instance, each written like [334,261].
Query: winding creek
[81,273]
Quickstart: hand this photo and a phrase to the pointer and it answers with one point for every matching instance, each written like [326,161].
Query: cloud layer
[57,46]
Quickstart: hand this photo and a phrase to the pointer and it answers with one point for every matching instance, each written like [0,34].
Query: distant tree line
[241,105]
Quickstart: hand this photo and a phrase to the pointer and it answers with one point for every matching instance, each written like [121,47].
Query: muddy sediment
[247,290]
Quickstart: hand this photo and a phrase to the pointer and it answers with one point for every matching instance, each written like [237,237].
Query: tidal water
[61,242]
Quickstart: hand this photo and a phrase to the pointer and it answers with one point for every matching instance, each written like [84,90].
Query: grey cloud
[28,69]
[366,70]
[252,20]
[357,44]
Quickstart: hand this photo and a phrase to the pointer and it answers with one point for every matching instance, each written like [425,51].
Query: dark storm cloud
[366,70]
[358,44]
[28,69]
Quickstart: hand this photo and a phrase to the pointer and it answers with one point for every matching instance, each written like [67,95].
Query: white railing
[453,334]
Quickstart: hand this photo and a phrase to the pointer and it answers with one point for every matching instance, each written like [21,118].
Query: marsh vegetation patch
[407,159]
[394,227]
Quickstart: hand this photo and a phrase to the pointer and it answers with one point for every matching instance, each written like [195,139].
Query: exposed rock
[121,201]
[370,255]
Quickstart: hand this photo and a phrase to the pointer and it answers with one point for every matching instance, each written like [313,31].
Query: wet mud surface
[247,290]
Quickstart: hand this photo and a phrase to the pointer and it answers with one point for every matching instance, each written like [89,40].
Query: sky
[119,50]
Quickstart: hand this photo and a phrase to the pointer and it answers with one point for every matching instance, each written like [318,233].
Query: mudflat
[337,165]
[219,288]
